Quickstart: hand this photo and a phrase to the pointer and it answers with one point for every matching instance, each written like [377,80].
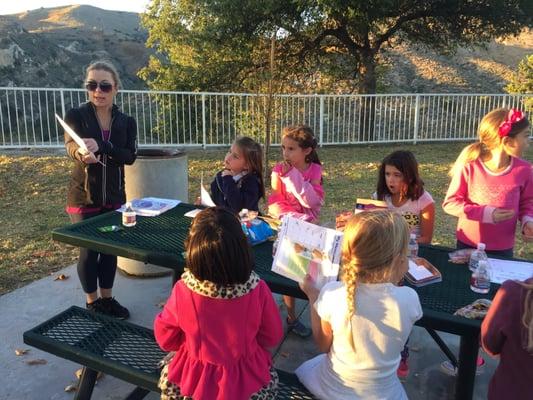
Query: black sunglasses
[105,87]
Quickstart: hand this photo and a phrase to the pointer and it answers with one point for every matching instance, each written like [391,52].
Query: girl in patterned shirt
[400,186]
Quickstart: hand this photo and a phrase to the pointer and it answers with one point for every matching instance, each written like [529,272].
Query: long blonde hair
[527,317]
[372,240]
[488,138]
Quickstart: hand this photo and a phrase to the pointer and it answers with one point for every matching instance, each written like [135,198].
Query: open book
[151,206]
[304,248]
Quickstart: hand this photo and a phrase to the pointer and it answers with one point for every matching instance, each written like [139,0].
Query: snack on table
[477,310]
[461,256]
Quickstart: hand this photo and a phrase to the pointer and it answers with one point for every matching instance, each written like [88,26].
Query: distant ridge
[50,47]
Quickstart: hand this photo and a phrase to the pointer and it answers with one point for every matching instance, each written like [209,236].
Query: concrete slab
[32,304]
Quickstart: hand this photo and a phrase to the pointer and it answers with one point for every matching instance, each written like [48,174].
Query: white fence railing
[214,119]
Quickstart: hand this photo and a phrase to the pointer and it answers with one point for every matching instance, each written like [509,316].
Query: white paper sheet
[79,141]
[205,198]
[151,206]
[418,272]
[503,270]
[192,213]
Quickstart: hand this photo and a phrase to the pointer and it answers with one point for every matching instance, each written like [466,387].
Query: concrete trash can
[155,173]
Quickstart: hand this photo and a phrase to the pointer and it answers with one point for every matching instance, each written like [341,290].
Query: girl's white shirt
[384,317]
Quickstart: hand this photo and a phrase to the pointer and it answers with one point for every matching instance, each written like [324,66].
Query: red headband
[513,117]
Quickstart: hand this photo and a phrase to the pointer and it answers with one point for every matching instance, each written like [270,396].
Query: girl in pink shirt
[297,191]
[492,187]
[297,181]
[220,319]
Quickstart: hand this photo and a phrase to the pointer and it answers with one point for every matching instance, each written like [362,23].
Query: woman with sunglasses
[97,178]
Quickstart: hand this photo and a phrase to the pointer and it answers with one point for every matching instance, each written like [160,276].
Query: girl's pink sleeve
[271,329]
[309,195]
[459,205]
[494,326]
[167,331]
[525,212]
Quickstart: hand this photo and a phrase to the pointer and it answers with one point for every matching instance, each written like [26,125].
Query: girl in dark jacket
[97,178]
[240,184]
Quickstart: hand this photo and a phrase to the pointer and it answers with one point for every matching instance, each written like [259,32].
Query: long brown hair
[405,162]
[488,138]
[216,248]
[253,155]
[372,240]
[304,136]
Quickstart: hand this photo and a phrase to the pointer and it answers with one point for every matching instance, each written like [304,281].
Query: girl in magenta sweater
[492,187]
[220,319]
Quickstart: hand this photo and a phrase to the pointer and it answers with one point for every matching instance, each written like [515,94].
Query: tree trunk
[367,85]
[268,116]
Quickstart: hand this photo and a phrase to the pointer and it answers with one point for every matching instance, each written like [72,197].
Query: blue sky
[12,7]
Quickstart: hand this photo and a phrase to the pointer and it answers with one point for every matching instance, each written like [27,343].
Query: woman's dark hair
[304,136]
[405,162]
[253,155]
[217,249]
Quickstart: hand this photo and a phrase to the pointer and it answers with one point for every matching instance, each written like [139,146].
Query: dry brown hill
[50,47]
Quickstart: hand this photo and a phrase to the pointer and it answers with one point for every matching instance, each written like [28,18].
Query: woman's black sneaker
[95,306]
[111,307]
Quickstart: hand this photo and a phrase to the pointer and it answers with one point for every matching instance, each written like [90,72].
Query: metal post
[417,118]
[321,129]
[204,127]
[62,103]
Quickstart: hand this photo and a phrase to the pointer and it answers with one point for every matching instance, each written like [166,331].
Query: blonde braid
[371,242]
[349,277]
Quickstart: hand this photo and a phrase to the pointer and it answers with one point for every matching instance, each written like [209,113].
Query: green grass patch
[33,189]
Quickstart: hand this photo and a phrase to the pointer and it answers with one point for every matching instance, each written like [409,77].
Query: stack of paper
[151,206]
[503,270]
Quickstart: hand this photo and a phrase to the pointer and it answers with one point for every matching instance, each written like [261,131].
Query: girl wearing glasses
[97,178]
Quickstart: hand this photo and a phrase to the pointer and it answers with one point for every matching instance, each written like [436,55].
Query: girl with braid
[362,322]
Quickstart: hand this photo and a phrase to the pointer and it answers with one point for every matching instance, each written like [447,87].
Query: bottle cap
[481,246]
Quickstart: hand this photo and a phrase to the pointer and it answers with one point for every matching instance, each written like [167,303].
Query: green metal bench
[118,348]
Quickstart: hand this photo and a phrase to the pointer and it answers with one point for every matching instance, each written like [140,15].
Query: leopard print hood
[210,289]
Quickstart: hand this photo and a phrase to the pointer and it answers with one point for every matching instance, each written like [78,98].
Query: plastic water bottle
[129,217]
[476,256]
[480,280]
[413,246]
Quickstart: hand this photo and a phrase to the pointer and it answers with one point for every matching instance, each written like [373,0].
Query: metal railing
[213,119]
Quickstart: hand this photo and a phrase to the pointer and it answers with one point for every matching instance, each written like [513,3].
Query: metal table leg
[86,386]
[466,371]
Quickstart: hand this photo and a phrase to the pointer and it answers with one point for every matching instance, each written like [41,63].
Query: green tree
[224,44]
[522,81]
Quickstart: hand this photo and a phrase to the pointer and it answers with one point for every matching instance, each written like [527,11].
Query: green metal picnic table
[160,241]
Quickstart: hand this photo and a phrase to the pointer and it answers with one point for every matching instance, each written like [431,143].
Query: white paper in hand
[205,198]
[79,141]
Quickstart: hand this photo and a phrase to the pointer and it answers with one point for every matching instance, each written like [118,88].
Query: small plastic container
[476,256]
[129,217]
[413,246]
[480,280]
